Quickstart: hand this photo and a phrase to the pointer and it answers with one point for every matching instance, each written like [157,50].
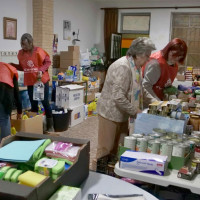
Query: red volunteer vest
[31,63]
[7,73]
[168,74]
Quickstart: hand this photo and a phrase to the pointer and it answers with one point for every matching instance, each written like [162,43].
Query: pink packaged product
[62,150]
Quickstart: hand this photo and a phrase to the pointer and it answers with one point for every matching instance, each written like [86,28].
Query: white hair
[141,46]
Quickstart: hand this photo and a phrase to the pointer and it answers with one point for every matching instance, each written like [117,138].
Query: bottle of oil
[38,89]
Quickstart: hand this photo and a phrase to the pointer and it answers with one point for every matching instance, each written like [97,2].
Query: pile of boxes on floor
[48,163]
[70,97]
[168,149]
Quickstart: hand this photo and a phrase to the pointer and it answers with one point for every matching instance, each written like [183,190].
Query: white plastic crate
[77,115]
[69,96]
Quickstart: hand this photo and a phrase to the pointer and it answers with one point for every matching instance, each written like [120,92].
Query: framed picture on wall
[10,28]
[138,23]
[66,29]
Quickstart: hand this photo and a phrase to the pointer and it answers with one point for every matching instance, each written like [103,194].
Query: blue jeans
[5,128]
[45,102]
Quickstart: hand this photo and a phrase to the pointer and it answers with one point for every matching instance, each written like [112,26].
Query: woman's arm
[46,64]
[151,76]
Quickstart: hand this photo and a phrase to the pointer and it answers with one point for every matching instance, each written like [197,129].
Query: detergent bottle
[38,89]
[90,110]
[13,130]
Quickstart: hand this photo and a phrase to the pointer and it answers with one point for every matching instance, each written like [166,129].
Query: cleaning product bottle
[38,89]
[13,130]
[80,74]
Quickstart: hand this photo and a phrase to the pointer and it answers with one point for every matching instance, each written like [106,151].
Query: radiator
[9,56]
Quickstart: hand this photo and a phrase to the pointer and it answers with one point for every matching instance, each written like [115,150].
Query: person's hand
[19,116]
[39,75]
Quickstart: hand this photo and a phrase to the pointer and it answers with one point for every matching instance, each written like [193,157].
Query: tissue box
[67,192]
[143,162]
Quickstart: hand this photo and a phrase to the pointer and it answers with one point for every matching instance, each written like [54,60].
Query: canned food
[161,132]
[141,145]
[196,164]
[192,145]
[130,142]
[156,135]
[172,135]
[166,150]
[197,151]
[179,150]
[153,146]
[137,135]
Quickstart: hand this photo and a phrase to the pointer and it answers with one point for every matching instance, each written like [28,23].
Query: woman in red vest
[161,70]
[33,60]
[9,92]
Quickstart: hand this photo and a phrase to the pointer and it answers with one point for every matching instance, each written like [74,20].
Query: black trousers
[45,102]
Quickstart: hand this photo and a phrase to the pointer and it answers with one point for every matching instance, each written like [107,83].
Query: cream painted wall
[160,18]
[82,14]
[87,16]
[20,10]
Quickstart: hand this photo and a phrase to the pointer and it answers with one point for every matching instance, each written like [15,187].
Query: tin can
[156,135]
[159,131]
[196,164]
[166,150]
[141,145]
[172,135]
[179,150]
[130,142]
[137,135]
[192,145]
[153,146]
[197,151]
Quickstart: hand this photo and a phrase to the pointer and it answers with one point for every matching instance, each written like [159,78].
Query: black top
[10,96]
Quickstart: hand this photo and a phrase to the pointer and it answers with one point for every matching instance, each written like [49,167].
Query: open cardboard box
[34,124]
[74,176]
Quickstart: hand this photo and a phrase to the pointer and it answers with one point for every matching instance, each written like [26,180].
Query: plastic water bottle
[38,90]
[80,74]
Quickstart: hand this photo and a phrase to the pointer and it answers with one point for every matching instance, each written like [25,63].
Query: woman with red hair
[160,71]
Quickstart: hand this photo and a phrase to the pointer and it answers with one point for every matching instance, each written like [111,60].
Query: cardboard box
[73,48]
[66,55]
[180,77]
[68,96]
[74,176]
[77,115]
[69,62]
[101,75]
[30,125]
[90,97]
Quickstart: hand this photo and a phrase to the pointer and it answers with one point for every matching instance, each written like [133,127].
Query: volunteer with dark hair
[162,69]
[9,93]
[33,60]
[121,96]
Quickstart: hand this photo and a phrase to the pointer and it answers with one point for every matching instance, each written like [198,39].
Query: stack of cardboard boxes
[70,58]
[71,97]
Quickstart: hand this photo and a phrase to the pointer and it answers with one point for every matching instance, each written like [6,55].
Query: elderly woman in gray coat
[121,97]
